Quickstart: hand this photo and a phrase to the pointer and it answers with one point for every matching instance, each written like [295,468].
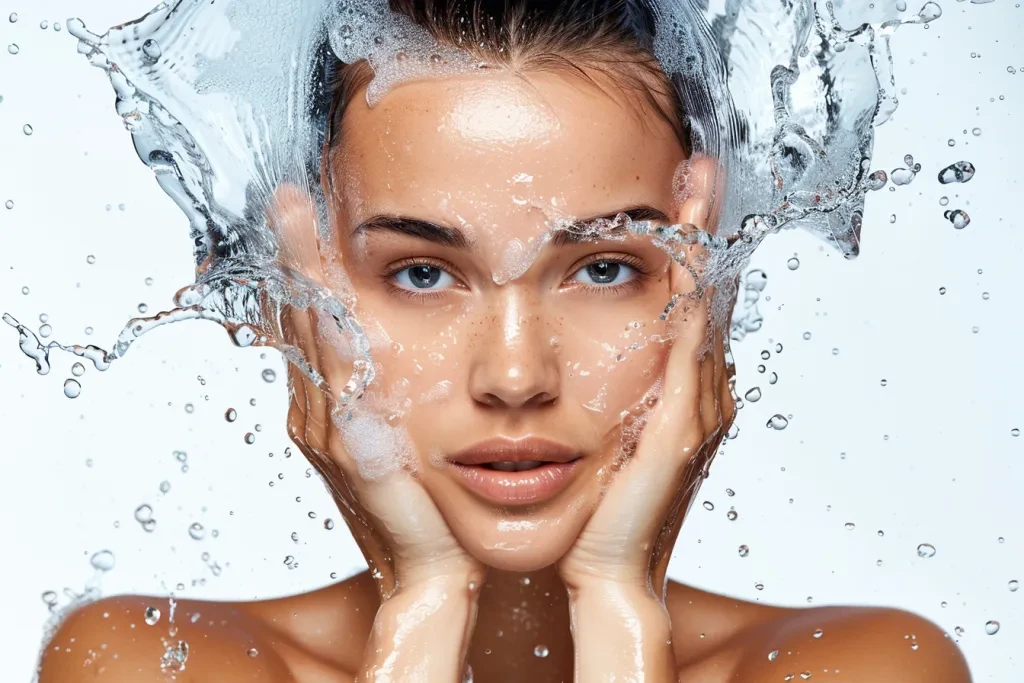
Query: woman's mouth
[512,472]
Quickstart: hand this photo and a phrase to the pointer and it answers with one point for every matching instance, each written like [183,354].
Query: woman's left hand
[629,538]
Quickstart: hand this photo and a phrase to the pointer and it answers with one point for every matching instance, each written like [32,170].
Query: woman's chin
[520,546]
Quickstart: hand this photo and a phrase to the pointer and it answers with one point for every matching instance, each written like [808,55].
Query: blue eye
[605,273]
[423,277]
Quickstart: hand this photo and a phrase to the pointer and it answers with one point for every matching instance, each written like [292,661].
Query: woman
[518,470]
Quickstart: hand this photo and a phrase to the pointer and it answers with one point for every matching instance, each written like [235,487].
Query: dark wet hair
[615,37]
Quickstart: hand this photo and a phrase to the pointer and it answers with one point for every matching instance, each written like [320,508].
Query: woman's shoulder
[131,639]
[726,639]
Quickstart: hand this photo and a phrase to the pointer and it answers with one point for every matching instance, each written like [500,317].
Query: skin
[458,579]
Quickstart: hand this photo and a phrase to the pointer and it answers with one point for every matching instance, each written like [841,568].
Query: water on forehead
[504,156]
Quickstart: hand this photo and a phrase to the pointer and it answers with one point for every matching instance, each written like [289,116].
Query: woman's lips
[517,488]
[516,471]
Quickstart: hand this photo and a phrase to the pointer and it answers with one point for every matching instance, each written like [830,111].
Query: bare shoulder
[112,641]
[728,640]
[862,643]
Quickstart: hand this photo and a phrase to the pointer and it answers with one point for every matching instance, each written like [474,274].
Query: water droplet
[777,422]
[958,172]
[143,308]
[152,616]
[152,50]
[773,378]
[25,290]
[818,633]
[90,259]
[196,531]
[148,281]
[27,129]
[231,415]
[9,204]
[269,375]
[958,218]
[14,17]
[540,651]
[143,513]
[976,131]
[13,48]
[753,395]
[45,331]
[1014,432]
[951,142]
[765,354]
[850,526]
[44,24]
[250,438]
[1013,586]
[328,523]
[959,630]
[942,290]
[793,263]
[926,550]
[189,408]
[165,486]
[744,551]
[103,561]
[77,369]
[991,627]
[807,335]
[72,389]
[731,515]
[252,652]
[708,505]
[943,201]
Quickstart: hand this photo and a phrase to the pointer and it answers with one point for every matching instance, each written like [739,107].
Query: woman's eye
[603,273]
[423,277]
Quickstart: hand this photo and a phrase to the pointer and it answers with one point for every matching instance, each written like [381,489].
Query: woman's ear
[695,184]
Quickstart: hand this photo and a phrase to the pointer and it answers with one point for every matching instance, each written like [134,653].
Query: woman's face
[488,325]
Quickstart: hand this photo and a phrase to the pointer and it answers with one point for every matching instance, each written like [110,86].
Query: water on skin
[199,109]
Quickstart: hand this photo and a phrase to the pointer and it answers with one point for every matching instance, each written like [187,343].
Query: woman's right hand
[395,522]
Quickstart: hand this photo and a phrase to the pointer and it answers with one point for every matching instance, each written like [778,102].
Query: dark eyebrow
[415,227]
[580,234]
[455,238]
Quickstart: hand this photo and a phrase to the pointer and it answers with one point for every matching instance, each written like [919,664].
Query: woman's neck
[522,629]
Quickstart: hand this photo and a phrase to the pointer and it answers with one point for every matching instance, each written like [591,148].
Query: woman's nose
[515,365]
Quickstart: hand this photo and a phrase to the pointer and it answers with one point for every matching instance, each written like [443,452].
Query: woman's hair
[613,37]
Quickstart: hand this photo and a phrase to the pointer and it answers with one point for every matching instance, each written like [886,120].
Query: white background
[927,458]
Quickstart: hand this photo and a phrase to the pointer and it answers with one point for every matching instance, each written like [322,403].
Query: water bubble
[904,176]
[991,627]
[540,651]
[44,24]
[90,259]
[152,50]
[958,218]
[708,505]
[196,531]
[1013,586]
[231,415]
[850,526]
[730,493]
[773,378]
[1014,432]
[165,486]
[250,438]
[56,26]
[807,335]
[27,129]
[25,290]
[976,131]
[942,290]
[943,201]
[45,331]
[765,354]
[103,560]
[13,48]
[926,550]
[72,389]
[951,142]
[959,630]
[793,263]
[77,369]
[744,551]
[778,348]
[731,515]
[252,652]
[189,408]
[152,616]
[50,599]
[143,513]
[328,523]
[269,375]
[959,172]
[818,633]
[148,281]
[772,655]
[777,422]
[143,308]
[9,204]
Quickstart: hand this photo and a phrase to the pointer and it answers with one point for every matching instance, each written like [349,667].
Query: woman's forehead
[490,142]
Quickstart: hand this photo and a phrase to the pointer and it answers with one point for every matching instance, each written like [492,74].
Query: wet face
[502,344]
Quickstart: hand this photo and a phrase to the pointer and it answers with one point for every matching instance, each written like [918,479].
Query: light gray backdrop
[902,399]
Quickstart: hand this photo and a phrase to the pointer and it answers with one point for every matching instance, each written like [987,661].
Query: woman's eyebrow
[642,212]
[415,227]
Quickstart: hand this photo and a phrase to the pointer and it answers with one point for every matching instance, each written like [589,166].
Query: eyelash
[637,281]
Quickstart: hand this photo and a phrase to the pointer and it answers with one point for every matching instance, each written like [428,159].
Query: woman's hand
[629,538]
[428,583]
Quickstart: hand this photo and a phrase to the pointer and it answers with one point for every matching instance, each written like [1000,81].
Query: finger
[292,216]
